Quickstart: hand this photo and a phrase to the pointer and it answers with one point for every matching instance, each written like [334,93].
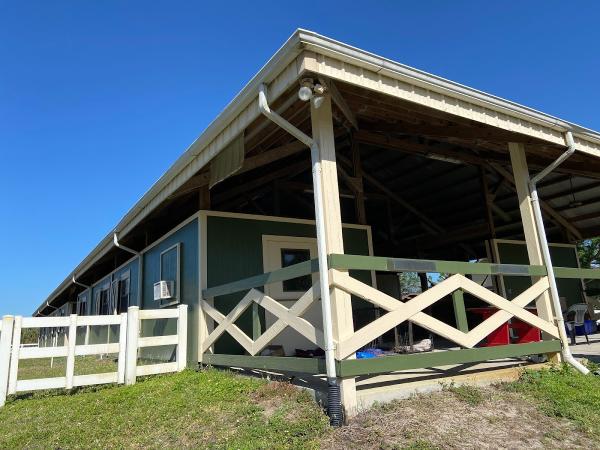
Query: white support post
[343,327]
[521,174]
[182,329]
[122,349]
[6,334]
[133,332]
[71,338]
[14,357]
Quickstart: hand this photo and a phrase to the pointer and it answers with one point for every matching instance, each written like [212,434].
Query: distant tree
[409,283]
[589,253]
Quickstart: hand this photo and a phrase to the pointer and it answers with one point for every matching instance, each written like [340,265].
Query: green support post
[256,328]
[460,314]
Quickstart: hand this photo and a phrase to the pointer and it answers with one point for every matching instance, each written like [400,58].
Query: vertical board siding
[234,251]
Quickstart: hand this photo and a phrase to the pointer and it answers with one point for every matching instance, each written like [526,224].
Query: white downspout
[539,222]
[140,265]
[321,244]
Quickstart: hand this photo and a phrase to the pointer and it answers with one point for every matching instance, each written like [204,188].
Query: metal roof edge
[341,50]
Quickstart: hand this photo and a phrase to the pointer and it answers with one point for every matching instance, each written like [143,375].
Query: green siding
[516,253]
[234,251]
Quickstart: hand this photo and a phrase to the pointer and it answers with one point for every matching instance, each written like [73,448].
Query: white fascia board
[343,52]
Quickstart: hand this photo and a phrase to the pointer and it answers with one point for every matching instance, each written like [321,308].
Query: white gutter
[539,222]
[321,245]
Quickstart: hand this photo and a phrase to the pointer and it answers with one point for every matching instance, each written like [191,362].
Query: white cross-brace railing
[12,351]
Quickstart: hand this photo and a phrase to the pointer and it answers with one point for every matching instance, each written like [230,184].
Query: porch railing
[397,312]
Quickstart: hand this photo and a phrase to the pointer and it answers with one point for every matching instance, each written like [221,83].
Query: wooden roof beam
[550,211]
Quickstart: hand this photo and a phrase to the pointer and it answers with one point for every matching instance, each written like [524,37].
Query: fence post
[5,342]
[133,332]
[71,342]
[182,329]
[14,358]
[122,349]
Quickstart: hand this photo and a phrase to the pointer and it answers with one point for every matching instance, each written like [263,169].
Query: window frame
[84,302]
[176,299]
[272,245]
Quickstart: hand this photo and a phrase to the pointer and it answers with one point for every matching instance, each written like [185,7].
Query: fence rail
[395,312]
[11,350]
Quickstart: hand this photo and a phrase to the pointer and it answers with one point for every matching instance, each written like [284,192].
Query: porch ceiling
[435,161]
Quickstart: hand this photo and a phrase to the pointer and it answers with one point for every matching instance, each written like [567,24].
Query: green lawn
[218,409]
[84,365]
[190,409]
[564,392]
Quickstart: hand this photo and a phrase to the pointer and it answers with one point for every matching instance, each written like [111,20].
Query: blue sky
[97,99]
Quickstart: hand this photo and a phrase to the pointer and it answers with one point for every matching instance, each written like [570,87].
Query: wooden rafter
[550,211]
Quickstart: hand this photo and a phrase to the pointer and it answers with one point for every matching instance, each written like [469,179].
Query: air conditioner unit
[164,290]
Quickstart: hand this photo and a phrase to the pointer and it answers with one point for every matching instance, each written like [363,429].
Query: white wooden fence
[12,351]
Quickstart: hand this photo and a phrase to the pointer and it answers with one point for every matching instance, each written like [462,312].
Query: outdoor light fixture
[305,93]
[310,91]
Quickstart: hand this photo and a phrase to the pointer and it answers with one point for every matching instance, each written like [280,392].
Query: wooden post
[6,334]
[460,313]
[14,357]
[521,175]
[487,202]
[133,332]
[361,214]
[182,329]
[71,342]
[204,198]
[341,305]
[256,328]
[122,349]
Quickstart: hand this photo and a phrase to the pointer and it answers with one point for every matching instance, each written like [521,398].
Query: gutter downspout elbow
[537,211]
[78,283]
[334,408]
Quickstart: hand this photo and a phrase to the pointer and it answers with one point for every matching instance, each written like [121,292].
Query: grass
[467,393]
[84,365]
[190,409]
[551,408]
[565,393]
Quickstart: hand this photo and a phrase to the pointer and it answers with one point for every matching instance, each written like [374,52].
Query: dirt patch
[451,420]
[274,397]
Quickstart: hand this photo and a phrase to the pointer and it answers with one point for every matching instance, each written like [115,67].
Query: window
[284,251]
[102,301]
[289,257]
[119,293]
[82,305]
[169,271]
[123,294]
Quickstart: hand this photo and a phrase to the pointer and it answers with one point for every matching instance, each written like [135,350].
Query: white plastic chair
[579,320]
